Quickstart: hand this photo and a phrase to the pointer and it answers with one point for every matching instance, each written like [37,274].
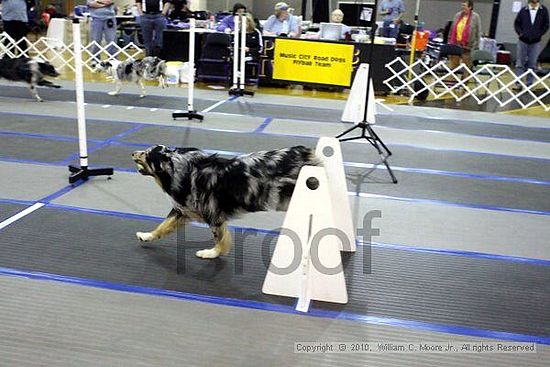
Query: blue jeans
[152,27]
[390,29]
[527,55]
[100,28]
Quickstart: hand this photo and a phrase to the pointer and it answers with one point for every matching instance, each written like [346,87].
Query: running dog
[30,71]
[213,189]
[149,68]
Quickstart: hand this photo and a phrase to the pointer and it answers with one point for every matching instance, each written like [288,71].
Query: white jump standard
[82,172]
[191,113]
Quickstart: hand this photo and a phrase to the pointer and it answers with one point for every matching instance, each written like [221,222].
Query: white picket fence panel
[488,82]
[61,55]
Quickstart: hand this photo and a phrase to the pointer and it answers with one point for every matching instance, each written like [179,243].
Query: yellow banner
[313,61]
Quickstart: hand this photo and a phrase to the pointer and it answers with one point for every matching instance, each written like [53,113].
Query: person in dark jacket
[531,24]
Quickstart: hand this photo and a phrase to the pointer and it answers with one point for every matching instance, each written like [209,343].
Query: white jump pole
[191,113]
[242,72]
[239,58]
[79,82]
[236,53]
[82,172]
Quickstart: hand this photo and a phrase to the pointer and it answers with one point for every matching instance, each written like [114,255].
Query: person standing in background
[14,16]
[153,22]
[392,10]
[103,14]
[465,33]
[531,24]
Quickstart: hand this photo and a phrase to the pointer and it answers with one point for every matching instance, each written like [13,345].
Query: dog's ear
[158,157]
[47,69]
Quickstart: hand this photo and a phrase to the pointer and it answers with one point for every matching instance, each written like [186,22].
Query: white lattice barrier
[488,82]
[62,55]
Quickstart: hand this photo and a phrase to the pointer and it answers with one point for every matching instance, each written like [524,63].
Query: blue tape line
[451,173]
[471,254]
[105,143]
[17,202]
[450,203]
[61,192]
[105,212]
[68,139]
[30,161]
[264,125]
[264,306]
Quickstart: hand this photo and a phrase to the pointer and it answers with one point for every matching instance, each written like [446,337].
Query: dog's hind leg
[168,226]
[143,94]
[222,237]
[162,82]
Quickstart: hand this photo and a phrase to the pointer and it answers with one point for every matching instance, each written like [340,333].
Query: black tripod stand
[367,132]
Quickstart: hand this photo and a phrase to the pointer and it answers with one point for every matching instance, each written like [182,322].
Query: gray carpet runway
[464,190]
[404,156]
[454,290]
[469,191]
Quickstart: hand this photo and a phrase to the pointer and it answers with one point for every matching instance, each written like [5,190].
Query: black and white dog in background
[213,189]
[30,71]
[149,68]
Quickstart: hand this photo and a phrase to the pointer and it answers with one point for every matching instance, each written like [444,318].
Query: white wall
[436,13]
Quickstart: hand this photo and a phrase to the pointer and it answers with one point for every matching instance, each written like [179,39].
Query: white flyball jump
[306,262]
[355,106]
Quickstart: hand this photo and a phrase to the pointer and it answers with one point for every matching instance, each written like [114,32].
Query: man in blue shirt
[281,23]
[392,10]
[103,14]
[14,15]
[227,24]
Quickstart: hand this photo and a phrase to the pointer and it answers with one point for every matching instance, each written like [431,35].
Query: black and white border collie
[149,68]
[213,189]
[30,71]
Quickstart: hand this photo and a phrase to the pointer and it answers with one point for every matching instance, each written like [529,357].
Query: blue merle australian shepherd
[148,68]
[213,189]
[30,71]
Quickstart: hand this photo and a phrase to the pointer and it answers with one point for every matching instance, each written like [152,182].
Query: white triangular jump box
[306,262]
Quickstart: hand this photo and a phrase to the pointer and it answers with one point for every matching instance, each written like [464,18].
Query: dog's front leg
[35,93]
[118,87]
[140,82]
[222,237]
[172,221]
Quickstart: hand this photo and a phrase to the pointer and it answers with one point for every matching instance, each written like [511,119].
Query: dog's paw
[113,93]
[145,236]
[210,253]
